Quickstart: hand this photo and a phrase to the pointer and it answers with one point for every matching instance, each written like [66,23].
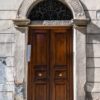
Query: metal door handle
[60,74]
[39,74]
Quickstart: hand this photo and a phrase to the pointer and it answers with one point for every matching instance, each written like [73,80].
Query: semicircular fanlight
[50,10]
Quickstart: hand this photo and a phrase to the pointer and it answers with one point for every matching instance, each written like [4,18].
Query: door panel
[50,69]
[39,65]
[60,64]
[41,92]
[60,48]
[41,48]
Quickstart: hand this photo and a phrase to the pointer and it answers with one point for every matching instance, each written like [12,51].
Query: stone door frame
[78,23]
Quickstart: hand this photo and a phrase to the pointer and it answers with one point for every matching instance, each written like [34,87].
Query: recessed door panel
[60,48]
[41,48]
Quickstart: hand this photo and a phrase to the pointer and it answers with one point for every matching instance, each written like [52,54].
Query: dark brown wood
[50,70]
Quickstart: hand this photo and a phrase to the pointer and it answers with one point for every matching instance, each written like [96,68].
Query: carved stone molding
[76,8]
[75,5]
[21,22]
[81,22]
[26,22]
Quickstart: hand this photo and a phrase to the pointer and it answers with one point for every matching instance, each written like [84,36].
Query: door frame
[79,59]
[79,24]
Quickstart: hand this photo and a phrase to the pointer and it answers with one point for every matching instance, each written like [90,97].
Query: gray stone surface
[9,30]
[93,74]
[7,38]
[93,38]
[6,26]
[95,96]
[93,91]
[81,62]
[10,61]
[93,27]
[6,96]
[93,62]
[7,49]
[10,5]
[20,54]
[91,4]
[20,90]
[8,15]
[6,73]
[10,74]
[91,14]
[93,87]
[93,50]
[98,14]
[7,87]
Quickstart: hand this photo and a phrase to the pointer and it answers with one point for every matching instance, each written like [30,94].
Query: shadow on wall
[90,70]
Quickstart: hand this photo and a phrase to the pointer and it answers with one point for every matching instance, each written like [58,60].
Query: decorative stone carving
[77,9]
[75,6]
[21,22]
[52,23]
[81,22]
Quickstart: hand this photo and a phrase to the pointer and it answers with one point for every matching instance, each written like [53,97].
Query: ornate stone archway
[74,5]
[79,23]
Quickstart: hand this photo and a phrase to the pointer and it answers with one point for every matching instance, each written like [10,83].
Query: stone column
[80,62]
[20,59]
[80,31]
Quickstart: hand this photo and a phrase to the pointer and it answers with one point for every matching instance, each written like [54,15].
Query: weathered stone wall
[8,11]
[92,9]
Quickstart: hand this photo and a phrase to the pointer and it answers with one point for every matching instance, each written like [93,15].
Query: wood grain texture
[50,73]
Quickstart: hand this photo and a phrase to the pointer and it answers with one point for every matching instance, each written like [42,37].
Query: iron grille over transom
[50,10]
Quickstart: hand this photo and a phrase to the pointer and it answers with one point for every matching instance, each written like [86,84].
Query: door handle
[40,74]
[60,75]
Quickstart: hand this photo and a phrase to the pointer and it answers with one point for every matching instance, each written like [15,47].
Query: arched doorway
[78,23]
[50,70]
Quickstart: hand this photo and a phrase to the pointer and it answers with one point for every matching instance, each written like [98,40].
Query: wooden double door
[50,70]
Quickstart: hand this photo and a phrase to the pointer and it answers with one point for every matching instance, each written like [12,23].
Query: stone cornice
[75,5]
[81,22]
[27,22]
[21,22]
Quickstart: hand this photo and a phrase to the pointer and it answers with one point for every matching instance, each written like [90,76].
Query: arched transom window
[50,10]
